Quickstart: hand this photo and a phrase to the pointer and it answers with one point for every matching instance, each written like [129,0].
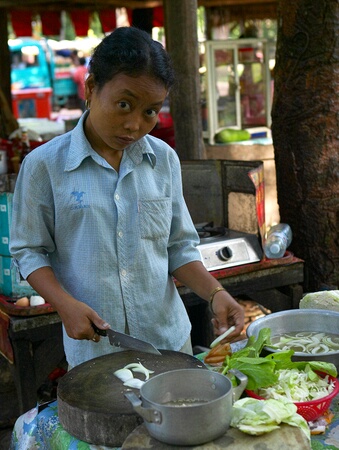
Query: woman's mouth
[125,140]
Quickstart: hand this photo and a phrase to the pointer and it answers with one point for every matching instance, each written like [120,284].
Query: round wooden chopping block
[91,400]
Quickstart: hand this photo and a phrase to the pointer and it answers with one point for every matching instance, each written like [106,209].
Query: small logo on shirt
[78,199]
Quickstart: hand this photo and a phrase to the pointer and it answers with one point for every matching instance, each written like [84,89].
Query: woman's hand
[78,319]
[227,312]
[76,316]
[226,309]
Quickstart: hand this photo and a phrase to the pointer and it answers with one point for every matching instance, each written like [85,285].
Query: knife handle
[98,331]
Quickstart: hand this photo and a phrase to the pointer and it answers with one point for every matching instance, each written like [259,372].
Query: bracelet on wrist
[215,290]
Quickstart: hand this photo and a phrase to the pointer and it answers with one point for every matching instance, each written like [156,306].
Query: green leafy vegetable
[259,371]
[263,371]
[283,361]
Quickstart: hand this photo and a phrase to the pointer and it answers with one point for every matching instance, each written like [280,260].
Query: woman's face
[123,111]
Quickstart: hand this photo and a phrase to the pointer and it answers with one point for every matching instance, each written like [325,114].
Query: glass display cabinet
[238,84]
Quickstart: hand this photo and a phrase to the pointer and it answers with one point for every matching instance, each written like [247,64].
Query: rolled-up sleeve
[32,220]
[184,237]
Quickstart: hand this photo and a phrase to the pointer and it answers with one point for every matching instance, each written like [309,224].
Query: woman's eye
[151,113]
[125,106]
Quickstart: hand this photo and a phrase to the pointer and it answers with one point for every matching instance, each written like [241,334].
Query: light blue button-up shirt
[112,239]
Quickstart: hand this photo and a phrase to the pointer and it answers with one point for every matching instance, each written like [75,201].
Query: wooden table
[37,350]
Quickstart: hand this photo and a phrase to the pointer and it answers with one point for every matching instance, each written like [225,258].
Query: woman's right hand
[78,319]
[76,316]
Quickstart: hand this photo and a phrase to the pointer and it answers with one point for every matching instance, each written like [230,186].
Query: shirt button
[117,197]
[120,234]
[123,272]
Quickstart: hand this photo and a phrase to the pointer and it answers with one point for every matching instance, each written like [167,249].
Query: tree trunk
[182,44]
[305,132]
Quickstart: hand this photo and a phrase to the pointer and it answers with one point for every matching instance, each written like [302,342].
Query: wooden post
[182,44]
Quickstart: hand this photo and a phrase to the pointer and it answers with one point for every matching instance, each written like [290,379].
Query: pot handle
[148,414]
[238,390]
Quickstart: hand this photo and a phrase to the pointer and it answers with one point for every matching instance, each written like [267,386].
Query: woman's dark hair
[133,52]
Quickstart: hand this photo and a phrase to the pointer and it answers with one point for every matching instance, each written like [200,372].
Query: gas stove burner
[221,247]
[208,230]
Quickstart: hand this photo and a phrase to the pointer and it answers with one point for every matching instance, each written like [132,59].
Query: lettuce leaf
[257,417]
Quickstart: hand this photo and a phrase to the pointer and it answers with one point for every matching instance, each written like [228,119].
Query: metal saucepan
[187,406]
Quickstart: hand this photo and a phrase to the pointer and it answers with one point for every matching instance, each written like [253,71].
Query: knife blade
[117,339]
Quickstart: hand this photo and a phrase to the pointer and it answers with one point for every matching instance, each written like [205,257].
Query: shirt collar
[80,149]
[141,150]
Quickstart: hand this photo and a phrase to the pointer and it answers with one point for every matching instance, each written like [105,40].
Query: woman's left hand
[227,312]
[226,309]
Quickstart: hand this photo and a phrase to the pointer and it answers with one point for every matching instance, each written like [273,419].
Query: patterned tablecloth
[330,439]
[42,430]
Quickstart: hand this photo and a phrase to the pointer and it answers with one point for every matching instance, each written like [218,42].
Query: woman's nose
[132,122]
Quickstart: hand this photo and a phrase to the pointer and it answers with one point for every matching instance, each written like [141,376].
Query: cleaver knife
[126,341]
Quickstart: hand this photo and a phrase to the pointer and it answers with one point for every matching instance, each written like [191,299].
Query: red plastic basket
[313,409]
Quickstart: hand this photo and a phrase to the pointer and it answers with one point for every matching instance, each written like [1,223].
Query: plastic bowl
[313,409]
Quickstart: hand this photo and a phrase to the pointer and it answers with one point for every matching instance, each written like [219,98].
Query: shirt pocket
[155,218]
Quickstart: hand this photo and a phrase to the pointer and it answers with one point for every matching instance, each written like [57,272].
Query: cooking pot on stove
[187,406]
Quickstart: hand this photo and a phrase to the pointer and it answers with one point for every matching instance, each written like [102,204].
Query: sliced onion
[320,349]
[332,344]
[307,343]
[138,367]
[123,374]
[134,383]
[222,336]
[127,377]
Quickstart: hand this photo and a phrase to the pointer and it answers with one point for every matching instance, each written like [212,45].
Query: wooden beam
[80,4]
[211,3]
[133,4]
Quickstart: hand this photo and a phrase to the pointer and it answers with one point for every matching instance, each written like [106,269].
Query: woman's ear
[89,86]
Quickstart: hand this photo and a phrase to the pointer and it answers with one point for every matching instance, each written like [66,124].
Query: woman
[100,225]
